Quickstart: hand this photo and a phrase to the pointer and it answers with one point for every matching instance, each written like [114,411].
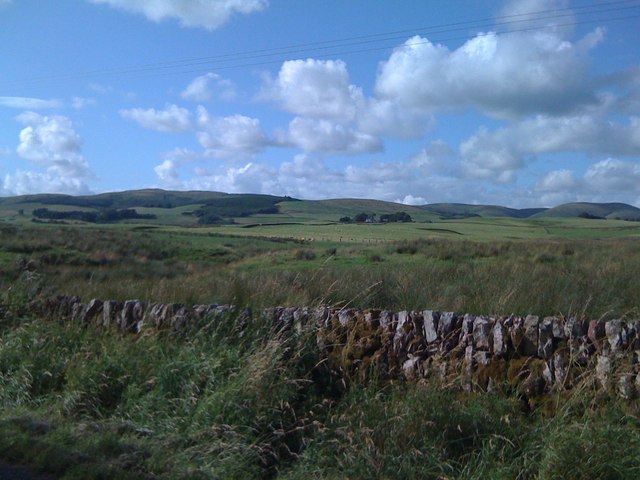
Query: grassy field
[215,402]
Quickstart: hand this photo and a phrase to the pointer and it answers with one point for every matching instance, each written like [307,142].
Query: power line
[254,58]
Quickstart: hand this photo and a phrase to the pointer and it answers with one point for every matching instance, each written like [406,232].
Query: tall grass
[220,401]
[590,278]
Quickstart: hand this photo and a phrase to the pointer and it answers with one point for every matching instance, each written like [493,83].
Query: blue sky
[519,102]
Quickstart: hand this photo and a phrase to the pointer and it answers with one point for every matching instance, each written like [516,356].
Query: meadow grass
[221,401]
[218,401]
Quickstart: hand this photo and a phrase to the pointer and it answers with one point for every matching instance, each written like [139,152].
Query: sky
[521,103]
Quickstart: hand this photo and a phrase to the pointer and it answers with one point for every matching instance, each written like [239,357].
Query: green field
[216,402]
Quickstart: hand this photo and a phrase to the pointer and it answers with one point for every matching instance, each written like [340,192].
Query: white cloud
[503,75]
[167,171]
[557,181]
[486,157]
[411,200]
[385,117]
[172,119]
[501,153]
[612,176]
[521,14]
[49,142]
[80,103]
[234,136]
[29,103]
[324,136]
[26,182]
[209,14]
[52,142]
[316,89]
[200,89]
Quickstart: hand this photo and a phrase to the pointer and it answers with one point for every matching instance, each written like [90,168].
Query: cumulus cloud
[502,75]
[488,157]
[315,89]
[501,153]
[200,88]
[611,179]
[234,136]
[26,182]
[80,103]
[49,142]
[167,171]
[411,200]
[520,14]
[172,119]
[209,14]
[613,176]
[324,136]
[557,181]
[29,103]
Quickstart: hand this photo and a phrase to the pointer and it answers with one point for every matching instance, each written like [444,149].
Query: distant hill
[620,211]
[151,198]
[204,207]
[463,210]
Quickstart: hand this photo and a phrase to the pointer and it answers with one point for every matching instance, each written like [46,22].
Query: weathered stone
[557,328]
[516,332]
[616,333]
[181,319]
[160,315]
[321,317]
[301,319]
[388,321]
[411,368]
[76,311]
[482,358]
[448,324]
[430,325]
[345,316]
[467,325]
[573,328]
[633,333]
[603,370]
[560,368]
[545,338]
[500,338]
[92,311]
[403,327]
[372,318]
[627,387]
[111,312]
[548,373]
[531,335]
[131,316]
[482,333]
[596,333]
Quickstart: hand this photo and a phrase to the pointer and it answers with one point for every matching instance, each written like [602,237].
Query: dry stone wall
[530,354]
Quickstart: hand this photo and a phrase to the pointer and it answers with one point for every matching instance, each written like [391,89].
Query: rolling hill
[192,207]
[463,210]
[618,211]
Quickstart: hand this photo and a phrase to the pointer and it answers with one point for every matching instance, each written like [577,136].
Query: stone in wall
[527,354]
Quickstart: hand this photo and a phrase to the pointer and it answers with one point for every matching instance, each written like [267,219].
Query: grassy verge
[220,402]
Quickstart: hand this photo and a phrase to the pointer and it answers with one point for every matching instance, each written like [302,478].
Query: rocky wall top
[531,353]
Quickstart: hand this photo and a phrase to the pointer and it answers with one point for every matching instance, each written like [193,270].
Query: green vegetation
[104,216]
[227,399]
[232,400]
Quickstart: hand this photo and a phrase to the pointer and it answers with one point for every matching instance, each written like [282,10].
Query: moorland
[214,402]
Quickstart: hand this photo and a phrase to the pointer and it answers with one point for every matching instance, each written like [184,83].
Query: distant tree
[345,219]
[396,217]
[361,217]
